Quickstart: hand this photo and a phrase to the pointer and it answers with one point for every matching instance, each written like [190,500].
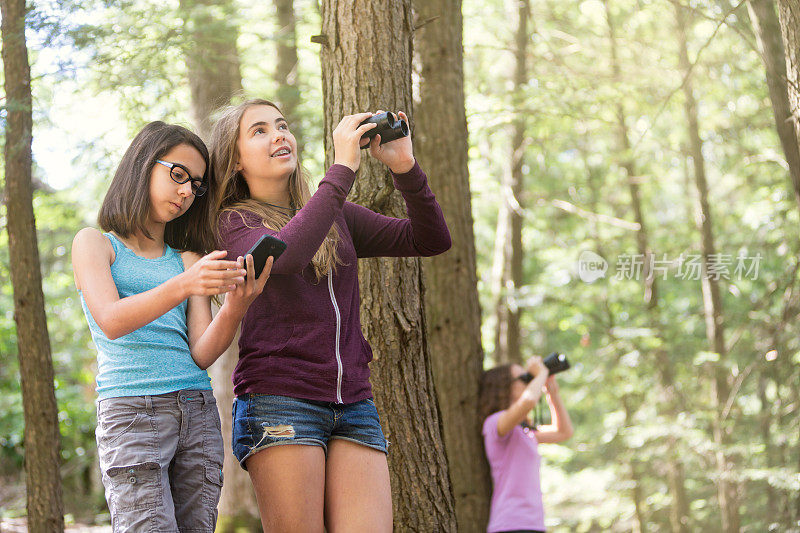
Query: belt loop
[208,395]
[148,404]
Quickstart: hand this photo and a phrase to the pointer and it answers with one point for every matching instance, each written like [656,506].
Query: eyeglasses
[180,175]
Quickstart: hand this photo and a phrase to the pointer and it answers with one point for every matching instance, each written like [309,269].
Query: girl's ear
[238,167]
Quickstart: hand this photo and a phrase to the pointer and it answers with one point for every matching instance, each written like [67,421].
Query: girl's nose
[185,189]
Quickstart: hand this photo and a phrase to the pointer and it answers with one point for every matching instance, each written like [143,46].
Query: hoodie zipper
[338,336]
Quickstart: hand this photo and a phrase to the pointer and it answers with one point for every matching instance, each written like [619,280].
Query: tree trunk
[237,504]
[765,427]
[637,494]
[42,439]
[789,12]
[214,75]
[451,300]
[679,510]
[727,489]
[286,70]
[507,335]
[392,290]
[499,271]
[635,468]
[767,30]
[211,57]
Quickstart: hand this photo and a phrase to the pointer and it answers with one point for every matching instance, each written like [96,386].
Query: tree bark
[451,298]
[679,510]
[765,427]
[213,62]
[789,16]
[727,489]
[498,276]
[237,504]
[507,336]
[42,439]
[212,59]
[637,494]
[392,290]
[635,468]
[767,29]
[286,69]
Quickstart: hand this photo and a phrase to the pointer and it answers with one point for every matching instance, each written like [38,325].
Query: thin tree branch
[594,217]
[686,75]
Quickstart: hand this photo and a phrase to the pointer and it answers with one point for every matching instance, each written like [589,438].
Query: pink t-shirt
[517,494]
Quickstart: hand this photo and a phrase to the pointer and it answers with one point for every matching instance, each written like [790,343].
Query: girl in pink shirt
[511,442]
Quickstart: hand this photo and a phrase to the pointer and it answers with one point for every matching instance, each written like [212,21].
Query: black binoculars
[555,363]
[388,126]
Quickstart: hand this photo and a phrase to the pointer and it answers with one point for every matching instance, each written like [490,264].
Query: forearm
[217,337]
[128,314]
[428,233]
[307,230]
[533,391]
[559,414]
[423,233]
[518,411]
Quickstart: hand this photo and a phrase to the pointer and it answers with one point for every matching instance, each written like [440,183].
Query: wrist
[183,285]
[232,311]
[349,164]
[403,166]
[529,395]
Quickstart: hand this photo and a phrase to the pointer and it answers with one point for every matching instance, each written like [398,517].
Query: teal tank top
[155,358]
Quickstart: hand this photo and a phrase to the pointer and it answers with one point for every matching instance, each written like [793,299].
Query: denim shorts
[264,420]
[161,461]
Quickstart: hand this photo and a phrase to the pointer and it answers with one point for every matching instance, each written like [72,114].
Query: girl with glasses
[305,425]
[145,285]
[511,441]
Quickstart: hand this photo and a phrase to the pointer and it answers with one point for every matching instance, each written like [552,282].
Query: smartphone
[265,246]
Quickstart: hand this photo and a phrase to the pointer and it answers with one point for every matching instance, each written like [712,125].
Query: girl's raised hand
[211,275]
[243,295]
[398,155]
[535,366]
[347,140]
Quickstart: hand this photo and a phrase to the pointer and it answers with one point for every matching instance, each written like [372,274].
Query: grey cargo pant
[161,460]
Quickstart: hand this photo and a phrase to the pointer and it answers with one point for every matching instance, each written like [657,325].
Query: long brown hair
[495,390]
[126,205]
[233,194]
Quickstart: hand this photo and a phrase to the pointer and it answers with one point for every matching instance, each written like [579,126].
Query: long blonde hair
[233,194]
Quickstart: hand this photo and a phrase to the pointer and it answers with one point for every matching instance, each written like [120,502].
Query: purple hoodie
[302,337]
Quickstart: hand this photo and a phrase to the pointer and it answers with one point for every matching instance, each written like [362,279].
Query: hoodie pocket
[310,350]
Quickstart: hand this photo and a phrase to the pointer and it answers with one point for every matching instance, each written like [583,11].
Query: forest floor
[12,510]
[20,525]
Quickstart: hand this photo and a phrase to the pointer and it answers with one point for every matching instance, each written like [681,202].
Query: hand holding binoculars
[388,126]
[555,363]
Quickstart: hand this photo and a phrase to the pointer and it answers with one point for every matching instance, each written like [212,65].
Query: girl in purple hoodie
[304,423]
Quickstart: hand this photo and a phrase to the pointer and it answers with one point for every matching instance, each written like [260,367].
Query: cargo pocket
[214,476]
[135,487]
[213,489]
[112,425]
